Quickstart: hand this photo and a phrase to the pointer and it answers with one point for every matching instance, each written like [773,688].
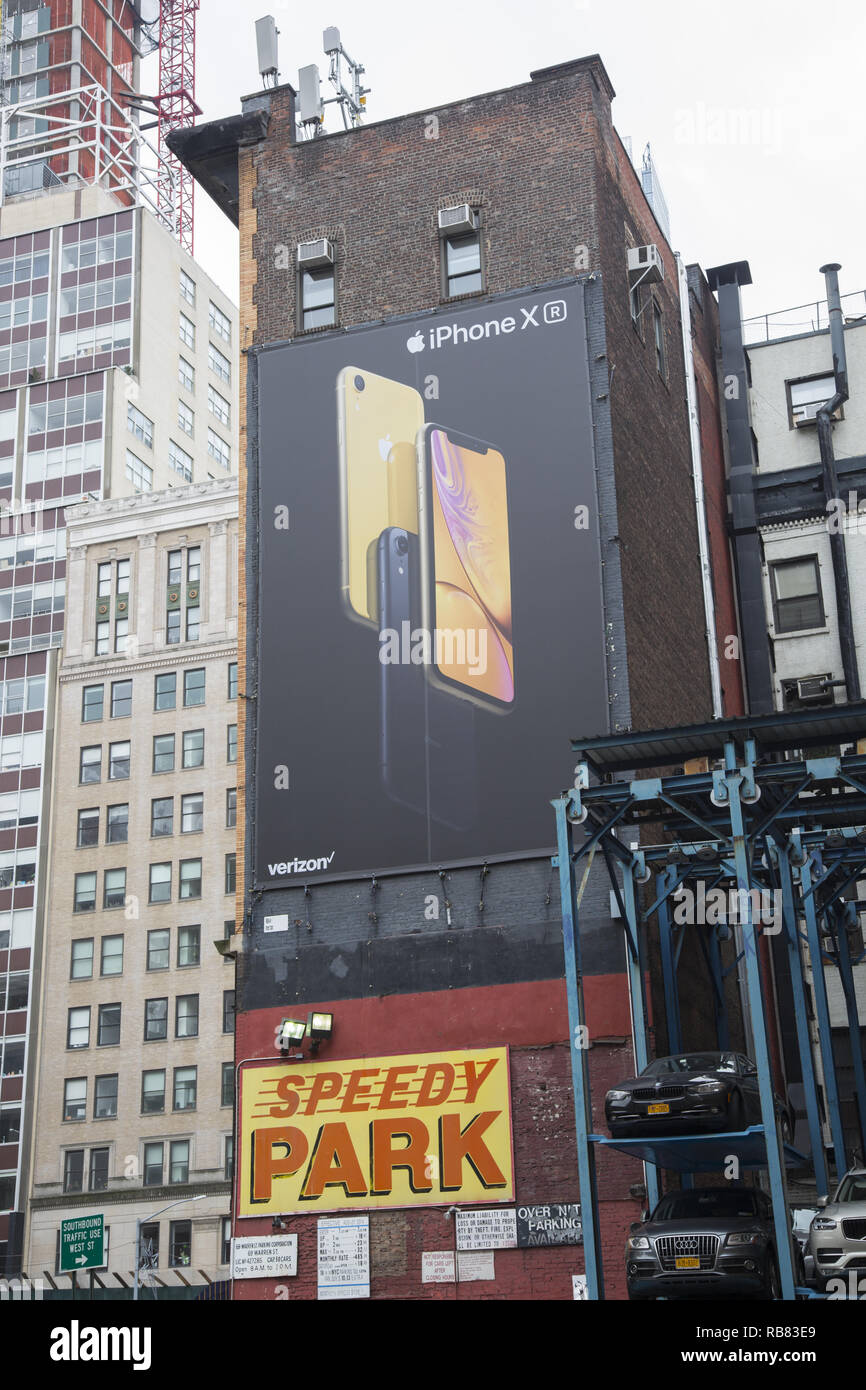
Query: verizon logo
[299,866]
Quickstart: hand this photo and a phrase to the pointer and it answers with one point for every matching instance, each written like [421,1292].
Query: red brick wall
[532,1019]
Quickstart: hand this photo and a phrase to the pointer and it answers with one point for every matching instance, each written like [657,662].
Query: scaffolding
[177,109]
[770,810]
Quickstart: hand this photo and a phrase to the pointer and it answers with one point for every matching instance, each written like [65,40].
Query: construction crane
[177,107]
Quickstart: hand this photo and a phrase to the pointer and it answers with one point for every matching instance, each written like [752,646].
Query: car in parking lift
[837,1235]
[690,1093]
[706,1242]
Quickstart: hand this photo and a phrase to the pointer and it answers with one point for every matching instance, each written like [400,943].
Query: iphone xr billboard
[430,628]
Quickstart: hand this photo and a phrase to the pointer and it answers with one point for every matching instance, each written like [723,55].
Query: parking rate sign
[82,1243]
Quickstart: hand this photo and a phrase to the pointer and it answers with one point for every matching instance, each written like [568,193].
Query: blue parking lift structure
[768,811]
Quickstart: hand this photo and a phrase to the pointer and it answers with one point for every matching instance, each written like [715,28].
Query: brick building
[556,201]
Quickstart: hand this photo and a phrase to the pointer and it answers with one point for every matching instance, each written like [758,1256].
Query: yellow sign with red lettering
[378,1132]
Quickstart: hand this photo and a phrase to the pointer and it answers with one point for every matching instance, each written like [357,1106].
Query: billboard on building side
[430,627]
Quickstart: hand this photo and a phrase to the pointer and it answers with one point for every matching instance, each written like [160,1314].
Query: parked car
[688,1093]
[837,1235]
[707,1242]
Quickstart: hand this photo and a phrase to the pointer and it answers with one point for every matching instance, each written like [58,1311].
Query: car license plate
[688,1262]
[658,1109]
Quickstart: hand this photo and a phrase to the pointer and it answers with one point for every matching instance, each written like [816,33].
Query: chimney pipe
[831,481]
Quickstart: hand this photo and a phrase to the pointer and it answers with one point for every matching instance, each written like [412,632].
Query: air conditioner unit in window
[457,221]
[646,265]
[315,253]
[805,414]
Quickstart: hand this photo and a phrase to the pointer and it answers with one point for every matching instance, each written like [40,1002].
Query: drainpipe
[831,481]
[698,486]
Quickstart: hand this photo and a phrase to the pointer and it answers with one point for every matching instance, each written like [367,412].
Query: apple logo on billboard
[385,447]
[416,342]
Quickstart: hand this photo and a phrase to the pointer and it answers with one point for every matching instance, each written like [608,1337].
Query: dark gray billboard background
[385,769]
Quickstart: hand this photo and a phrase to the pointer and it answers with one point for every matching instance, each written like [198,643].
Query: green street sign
[82,1243]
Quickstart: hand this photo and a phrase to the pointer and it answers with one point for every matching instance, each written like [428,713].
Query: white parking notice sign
[344,1257]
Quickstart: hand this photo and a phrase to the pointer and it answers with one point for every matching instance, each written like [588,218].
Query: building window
[219,365]
[190,878]
[218,450]
[232,744]
[150,1245]
[114,888]
[227,1092]
[78,1028]
[91,704]
[185,1088]
[90,764]
[138,473]
[188,945]
[228,1011]
[185,418]
[193,748]
[117,832]
[118,761]
[318,297]
[462,264]
[139,425]
[152,1092]
[226,1241]
[186,1016]
[797,602]
[88,827]
[229,1158]
[179,1163]
[187,287]
[231,808]
[172,626]
[186,374]
[193,565]
[187,331]
[231,872]
[162,816]
[105,1098]
[121,699]
[163,753]
[155,1020]
[160,883]
[85,893]
[75,1098]
[153,1163]
[73,1170]
[219,406]
[108,1026]
[165,690]
[192,813]
[219,323]
[806,396]
[158,947]
[233,680]
[179,1243]
[180,461]
[81,962]
[193,687]
[192,624]
[659,339]
[98,1170]
[111,956]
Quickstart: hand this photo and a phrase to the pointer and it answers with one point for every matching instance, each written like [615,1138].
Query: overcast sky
[753,108]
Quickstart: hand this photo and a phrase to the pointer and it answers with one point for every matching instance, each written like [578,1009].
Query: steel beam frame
[717,834]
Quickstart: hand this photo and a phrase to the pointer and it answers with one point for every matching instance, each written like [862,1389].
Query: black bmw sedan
[689,1093]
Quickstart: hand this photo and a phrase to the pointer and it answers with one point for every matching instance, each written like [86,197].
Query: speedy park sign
[377,1132]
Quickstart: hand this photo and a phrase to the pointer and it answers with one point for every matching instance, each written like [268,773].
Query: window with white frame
[180,461]
[185,418]
[218,449]
[186,374]
[187,331]
[138,473]
[219,322]
[219,365]
[138,424]
[187,287]
[219,406]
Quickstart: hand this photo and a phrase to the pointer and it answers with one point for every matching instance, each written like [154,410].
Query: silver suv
[837,1235]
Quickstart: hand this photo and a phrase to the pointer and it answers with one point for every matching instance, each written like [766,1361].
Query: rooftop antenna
[353,99]
[267,34]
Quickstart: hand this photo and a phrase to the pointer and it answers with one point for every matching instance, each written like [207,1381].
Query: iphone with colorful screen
[378,421]
[466,567]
